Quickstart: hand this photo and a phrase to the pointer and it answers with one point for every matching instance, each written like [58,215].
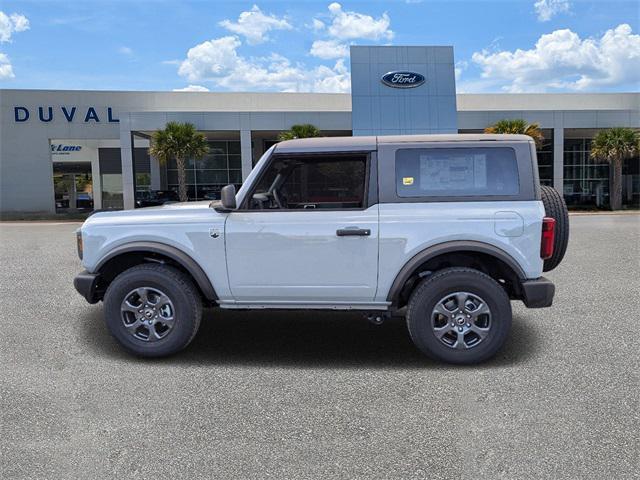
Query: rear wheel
[459,315]
[556,208]
[152,310]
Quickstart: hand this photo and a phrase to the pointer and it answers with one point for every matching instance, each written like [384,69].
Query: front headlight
[79,242]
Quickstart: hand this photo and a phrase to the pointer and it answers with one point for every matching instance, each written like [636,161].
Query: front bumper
[538,293]
[87,285]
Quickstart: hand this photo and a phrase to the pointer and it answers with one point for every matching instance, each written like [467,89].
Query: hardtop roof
[364,143]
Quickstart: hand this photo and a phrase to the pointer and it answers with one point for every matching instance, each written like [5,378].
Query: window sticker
[453,172]
[472,171]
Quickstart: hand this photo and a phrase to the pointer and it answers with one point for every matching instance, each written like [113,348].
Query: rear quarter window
[456,172]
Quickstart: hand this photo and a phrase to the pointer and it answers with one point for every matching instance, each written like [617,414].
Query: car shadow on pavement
[306,339]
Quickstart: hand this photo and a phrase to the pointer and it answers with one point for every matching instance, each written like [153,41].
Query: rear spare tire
[555,208]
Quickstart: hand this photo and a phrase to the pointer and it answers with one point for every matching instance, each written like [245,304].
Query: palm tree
[614,146]
[304,130]
[518,126]
[179,141]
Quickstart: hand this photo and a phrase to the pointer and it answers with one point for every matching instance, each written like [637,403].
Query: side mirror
[228,197]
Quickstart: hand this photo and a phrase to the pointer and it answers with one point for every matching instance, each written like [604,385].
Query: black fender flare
[448,247]
[175,254]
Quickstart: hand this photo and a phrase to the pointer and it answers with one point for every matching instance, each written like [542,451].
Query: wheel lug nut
[468,325]
[459,329]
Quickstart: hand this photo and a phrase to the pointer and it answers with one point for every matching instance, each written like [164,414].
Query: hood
[171,213]
[182,205]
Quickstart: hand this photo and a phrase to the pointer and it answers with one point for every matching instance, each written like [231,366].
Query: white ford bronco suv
[444,230]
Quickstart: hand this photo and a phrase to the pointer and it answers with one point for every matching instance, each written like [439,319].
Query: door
[73,187]
[306,234]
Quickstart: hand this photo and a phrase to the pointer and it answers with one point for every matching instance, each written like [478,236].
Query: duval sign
[403,79]
[47,114]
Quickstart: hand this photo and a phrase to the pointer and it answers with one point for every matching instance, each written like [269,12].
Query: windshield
[252,176]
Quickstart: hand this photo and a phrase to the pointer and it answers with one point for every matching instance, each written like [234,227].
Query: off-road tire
[181,291]
[556,208]
[432,289]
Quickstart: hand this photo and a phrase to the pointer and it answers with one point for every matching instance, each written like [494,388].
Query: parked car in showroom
[154,198]
[445,230]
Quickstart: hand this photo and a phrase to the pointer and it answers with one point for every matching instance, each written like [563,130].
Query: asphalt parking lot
[315,395]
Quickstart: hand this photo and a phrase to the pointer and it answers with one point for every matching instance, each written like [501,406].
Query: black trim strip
[172,252]
[448,247]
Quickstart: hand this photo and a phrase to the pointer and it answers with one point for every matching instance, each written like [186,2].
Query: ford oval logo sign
[403,79]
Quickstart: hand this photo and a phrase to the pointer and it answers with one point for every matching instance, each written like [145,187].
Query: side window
[456,172]
[313,182]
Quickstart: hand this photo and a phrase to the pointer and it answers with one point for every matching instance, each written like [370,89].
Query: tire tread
[556,208]
[428,283]
[185,284]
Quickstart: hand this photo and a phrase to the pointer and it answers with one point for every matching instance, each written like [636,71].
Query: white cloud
[562,60]
[347,25]
[331,80]
[218,61]
[10,24]
[210,59]
[547,9]
[125,51]
[6,70]
[460,67]
[328,49]
[254,25]
[192,88]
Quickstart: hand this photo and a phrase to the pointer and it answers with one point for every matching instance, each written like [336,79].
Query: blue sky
[500,46]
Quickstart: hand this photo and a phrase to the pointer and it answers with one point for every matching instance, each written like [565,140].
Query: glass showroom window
[586,181]
[142,169]
[631,183]
[206,176]
[545,158]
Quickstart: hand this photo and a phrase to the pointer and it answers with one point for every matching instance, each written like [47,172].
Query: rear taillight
[548,236]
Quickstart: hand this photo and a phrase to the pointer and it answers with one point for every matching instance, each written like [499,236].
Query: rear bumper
[86,284]
[538,293]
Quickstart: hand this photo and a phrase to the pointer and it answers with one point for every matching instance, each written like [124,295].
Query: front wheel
[459,315]
[152,310]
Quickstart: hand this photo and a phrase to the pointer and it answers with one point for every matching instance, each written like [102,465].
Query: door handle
[353,231]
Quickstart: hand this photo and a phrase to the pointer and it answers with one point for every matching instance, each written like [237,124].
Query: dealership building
[68,151]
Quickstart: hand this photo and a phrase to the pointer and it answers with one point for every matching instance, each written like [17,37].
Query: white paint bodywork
[277,256]
[294,259]
[406,229]
[185,226]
